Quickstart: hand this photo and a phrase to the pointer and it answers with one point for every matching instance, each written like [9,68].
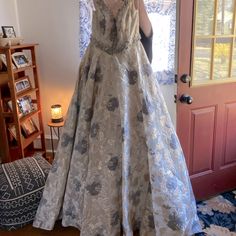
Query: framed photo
[23,84]
[29,127]
[25,105]
[3,59]
[9,104]
[20,59]
[8,32]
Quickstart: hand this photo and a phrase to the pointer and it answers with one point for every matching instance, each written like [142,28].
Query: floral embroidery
[112,104]
[132,77]
[88,114]
[82,146]
[113,163]
[115,219]
[95,188]
[94,130]
[66,139]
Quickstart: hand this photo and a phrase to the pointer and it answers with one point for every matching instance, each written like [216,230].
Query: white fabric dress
[119,166]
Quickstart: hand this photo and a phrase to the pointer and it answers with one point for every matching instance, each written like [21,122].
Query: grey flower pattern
[82,146]
[132,77]
[175,222]
[171,184]
[54,167]
[86,71]
[113,163]
[94,130]
[151,223]
[88,114]
[112,104]
[136,197]
[77,185]
[173,142]
[94,188]
[97,76]
[66,139]
[102,24]
[146,107]
[115,218]
[120,153]
[140,116]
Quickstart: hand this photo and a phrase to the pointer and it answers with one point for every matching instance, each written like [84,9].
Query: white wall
[54,24]
[8,14]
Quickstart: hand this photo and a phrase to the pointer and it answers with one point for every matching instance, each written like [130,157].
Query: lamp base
[57,120]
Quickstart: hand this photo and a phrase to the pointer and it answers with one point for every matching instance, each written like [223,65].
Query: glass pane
[202,59]
[234,60]
[222,58]
[225,14]
[204,17]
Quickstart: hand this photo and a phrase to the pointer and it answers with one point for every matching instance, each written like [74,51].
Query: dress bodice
[112,33]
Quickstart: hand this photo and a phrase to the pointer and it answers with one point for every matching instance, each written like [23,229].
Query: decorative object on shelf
[29,127]
[56,113]
[8,32]
[4,61]
[26,105]
[20,59]
[9,104]
[10,41]
[23,84]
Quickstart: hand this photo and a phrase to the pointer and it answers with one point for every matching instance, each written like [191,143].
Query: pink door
[206,96]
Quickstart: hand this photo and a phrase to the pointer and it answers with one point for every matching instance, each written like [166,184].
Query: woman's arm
[144,22]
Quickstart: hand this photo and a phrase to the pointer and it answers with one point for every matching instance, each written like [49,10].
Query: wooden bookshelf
[16,145]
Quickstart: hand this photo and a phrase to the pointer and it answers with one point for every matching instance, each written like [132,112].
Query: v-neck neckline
[118,11]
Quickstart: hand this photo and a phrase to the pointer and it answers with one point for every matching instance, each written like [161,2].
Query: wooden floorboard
[29,230]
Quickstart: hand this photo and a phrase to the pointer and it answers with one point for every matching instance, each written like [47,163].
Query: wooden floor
[58,230]
[31,231]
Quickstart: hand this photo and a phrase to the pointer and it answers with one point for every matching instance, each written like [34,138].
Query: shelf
[20,46]
[27,92]
[23,69]
[24,118]
[30,139]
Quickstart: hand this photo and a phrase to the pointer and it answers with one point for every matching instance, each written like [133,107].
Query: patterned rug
[218,215]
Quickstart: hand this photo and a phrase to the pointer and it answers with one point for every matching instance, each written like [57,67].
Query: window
[214,42]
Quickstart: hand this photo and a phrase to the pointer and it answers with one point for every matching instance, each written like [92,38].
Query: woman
[119,166]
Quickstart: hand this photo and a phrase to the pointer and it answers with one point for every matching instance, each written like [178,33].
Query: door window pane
[202,59]
[222,58]
[204,17]
[234,60]
[214,56]
[225,13]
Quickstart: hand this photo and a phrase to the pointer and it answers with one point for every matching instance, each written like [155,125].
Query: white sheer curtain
[163,17]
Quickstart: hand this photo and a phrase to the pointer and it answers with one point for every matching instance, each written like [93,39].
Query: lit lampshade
[56,113]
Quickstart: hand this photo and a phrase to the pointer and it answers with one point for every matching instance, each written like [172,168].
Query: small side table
[55,127]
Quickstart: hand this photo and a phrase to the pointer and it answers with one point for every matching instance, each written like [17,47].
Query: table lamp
[56,113]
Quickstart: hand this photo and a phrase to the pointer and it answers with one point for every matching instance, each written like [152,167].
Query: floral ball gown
[119,165]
